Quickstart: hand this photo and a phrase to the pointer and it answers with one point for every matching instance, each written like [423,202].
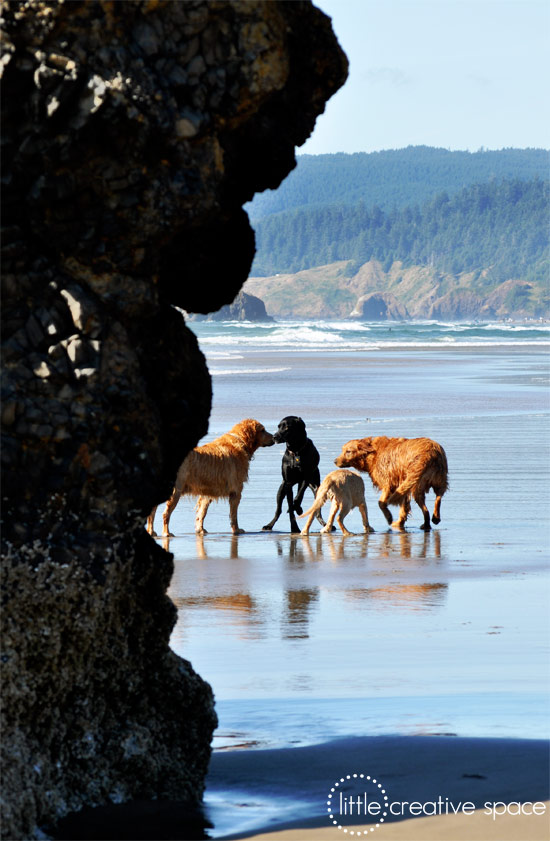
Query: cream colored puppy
[346,490]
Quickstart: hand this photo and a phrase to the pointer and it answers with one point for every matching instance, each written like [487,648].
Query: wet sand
[466,786]
[440,636]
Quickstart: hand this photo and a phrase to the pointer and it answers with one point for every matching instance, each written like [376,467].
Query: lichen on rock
[132,134]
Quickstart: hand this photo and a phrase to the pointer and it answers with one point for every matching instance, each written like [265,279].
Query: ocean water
[305,640]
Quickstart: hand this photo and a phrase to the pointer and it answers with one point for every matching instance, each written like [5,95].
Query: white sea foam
[224,354]
[227,372]
[262,325]
[285,336]
[285,344]
[235,340]
[517,328]
[352,326]
[457,343]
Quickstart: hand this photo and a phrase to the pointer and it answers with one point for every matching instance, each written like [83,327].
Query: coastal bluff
[133,133]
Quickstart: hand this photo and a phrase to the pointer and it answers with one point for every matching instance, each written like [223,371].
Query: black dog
[299,467]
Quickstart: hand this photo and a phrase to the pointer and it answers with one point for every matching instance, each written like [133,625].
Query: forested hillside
[501,225]
[394,178]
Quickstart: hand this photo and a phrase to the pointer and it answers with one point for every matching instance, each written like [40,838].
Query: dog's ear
[249,431]
[364,445]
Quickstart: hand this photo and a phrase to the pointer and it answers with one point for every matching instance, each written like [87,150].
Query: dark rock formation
[379,306]
[133,133]
[245,307]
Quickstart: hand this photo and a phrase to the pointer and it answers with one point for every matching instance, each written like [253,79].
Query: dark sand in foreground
[420,769]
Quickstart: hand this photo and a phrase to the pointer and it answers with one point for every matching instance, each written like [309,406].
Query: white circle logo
[357,799]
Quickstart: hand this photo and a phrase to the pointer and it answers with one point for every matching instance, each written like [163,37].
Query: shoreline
[281,794]
[290,786]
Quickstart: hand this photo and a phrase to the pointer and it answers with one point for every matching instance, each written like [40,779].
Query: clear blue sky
[460,74]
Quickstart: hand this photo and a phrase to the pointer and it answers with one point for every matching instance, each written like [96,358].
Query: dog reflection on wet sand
[387,545]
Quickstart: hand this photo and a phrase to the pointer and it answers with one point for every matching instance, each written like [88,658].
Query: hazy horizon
[300,153]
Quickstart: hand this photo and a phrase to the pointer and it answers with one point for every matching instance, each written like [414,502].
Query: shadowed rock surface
[132,134]
[379,306]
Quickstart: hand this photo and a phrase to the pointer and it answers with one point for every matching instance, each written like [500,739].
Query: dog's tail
[320,497]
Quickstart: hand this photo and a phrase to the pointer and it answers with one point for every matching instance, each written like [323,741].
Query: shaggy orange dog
[346,490]
[217,470]
[400,468]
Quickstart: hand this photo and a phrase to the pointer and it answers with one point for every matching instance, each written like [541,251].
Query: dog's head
[253,434]
[355,452]
[291,430]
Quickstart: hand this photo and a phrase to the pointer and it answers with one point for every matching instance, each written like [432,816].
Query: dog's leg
[305,530]
[294,527]
[342,513]
[365,517]
[151,522]
[437,507]
[420,499]
[299,498]
[314,488]
[383,505]
[203,503]
[234,499]
[404,512]
[170,505]
[278,510]
[328,526]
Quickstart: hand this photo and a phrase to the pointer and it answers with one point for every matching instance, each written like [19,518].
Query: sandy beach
[417,657]
[420,658]
[476,827]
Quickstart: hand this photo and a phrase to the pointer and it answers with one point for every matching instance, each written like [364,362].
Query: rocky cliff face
[133,134]
[379,306]
[414,292]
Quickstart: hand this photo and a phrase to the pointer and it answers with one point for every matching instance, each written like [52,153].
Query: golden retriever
[400,468]
[217,470]
[346,490]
